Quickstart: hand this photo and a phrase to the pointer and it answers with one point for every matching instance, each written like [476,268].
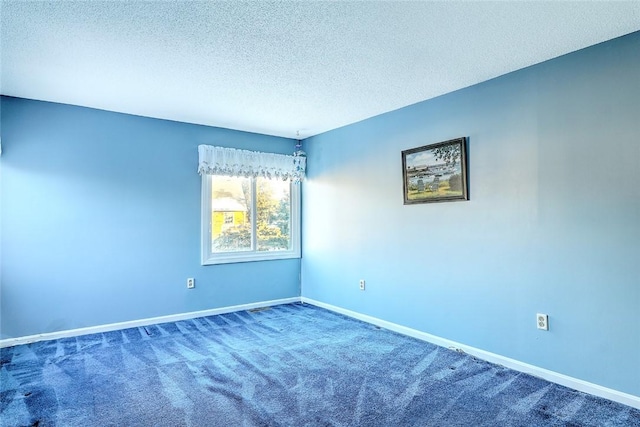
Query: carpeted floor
[290,365]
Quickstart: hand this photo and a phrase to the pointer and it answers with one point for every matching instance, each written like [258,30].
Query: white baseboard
[565,380]
[10,342]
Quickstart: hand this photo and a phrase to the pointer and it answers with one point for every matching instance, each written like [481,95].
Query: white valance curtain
[234,162]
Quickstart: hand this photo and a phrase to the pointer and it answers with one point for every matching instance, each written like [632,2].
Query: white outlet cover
[543,321]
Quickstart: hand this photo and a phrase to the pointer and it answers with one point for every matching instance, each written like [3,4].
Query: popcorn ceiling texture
[279,67]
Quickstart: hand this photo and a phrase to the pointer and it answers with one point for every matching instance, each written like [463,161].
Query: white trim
[207,257]
[555,377]
[10,342]
[565,380]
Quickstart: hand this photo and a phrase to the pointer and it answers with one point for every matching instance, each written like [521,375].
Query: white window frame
[212,258]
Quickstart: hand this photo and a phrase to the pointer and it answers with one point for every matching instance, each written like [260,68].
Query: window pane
[273,224]
[230,214]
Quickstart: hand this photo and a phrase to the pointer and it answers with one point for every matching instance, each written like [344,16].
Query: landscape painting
[436,172]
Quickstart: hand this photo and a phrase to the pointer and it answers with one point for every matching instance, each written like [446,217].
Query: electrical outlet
[543,321]
[191,283]
[362,284]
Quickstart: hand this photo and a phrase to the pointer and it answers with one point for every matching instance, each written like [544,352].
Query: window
[250,205]
[249,219]
[229,217]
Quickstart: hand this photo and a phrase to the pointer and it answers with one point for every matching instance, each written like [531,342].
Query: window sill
[231,258]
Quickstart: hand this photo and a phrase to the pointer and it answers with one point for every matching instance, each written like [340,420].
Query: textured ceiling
[279,67]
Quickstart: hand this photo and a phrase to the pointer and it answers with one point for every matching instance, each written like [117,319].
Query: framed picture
[436,172]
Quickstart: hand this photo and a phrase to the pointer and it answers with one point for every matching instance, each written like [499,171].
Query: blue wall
[101,220]
[552,226]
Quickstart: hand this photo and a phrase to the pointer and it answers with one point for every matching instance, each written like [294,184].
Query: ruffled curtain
[233,162]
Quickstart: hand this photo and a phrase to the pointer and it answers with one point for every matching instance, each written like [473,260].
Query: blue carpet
[290,365]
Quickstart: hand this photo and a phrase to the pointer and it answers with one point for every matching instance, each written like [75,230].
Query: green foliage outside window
[273,218]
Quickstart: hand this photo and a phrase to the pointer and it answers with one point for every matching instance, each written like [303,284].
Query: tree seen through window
[272,216]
